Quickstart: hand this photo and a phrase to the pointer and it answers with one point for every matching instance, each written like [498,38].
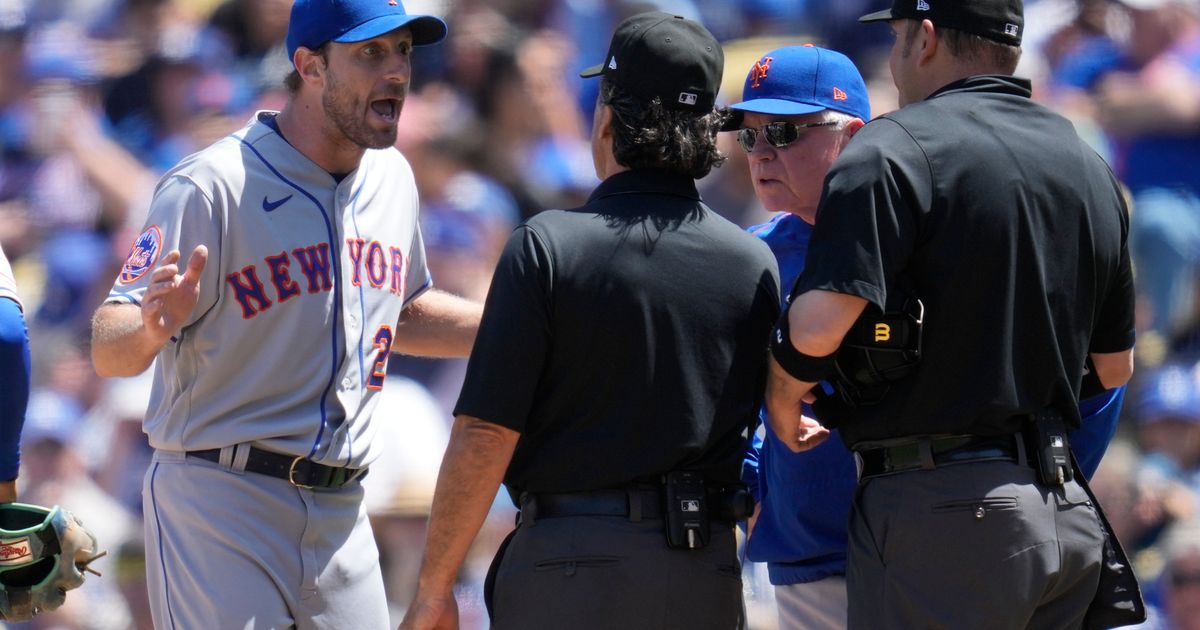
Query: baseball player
[14,380]
[306,269]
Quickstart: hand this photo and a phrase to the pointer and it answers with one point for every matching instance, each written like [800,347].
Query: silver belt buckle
[292,474]
[858,465]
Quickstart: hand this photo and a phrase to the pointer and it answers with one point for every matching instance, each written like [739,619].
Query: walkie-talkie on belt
[686,510]
[1049,449]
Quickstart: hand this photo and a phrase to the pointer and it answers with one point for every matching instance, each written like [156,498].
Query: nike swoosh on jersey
[268,206]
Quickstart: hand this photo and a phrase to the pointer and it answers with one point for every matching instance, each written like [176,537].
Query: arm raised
[126,337]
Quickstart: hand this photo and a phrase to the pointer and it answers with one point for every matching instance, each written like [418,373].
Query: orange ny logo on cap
[759,71]
[839,95]
[392,3]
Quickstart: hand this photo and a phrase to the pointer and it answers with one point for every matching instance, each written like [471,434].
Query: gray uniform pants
[234,550]
[606,572]
[979,545]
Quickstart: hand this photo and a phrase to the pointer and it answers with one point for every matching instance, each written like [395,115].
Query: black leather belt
[300,471]
[634,504]
[929,453]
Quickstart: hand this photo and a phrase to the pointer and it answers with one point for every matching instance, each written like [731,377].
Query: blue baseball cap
[315,22]
[1170,392]
[804,80]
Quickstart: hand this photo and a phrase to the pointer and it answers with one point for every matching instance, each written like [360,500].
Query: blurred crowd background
[99,97]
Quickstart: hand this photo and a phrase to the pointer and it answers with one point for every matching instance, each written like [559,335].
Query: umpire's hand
[429,613]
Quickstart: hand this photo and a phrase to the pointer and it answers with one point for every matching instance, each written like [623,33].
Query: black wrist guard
[800,366]
[1091,385]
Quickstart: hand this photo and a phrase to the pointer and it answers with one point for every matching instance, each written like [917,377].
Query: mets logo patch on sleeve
[14,552]
[142,257]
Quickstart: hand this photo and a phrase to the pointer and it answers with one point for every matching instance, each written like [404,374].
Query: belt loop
[635,505]
[1022,456]
[925,452]
[239,454]
[528,514]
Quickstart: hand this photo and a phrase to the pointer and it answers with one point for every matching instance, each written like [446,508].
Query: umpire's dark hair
[648,135]
[970,48]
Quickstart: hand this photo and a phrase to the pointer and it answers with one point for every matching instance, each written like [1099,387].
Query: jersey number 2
[383,341]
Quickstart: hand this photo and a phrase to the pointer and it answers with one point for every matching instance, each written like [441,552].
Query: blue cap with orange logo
[804,80]
[314,22]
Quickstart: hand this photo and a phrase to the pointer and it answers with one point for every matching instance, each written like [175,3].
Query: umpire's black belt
[634,504]
[931,452]
[300,471]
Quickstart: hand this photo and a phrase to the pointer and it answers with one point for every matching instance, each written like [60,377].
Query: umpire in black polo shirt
[617,370]
[1012,232]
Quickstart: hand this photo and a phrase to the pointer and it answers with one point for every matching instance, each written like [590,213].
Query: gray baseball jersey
[8,284]
[287,347]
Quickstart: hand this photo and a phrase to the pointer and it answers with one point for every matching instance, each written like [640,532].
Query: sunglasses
[779,134]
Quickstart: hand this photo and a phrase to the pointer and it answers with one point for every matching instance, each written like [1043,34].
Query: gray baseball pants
[229,549]
[979,545]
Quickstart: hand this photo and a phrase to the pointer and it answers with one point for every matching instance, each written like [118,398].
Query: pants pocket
[569,566]
[979,507]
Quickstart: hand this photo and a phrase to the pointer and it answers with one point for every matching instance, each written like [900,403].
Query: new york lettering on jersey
[367,260]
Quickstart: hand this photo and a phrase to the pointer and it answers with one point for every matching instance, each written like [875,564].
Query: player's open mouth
[387,108]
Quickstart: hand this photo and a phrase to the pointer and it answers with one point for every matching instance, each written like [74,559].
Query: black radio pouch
[1048,449]
[686,510]
[879,349]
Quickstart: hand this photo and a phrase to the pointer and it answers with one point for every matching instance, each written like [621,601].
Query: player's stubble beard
[349,116]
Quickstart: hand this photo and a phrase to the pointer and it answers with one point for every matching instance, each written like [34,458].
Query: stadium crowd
[99,97]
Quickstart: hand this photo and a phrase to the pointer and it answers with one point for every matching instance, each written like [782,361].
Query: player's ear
[852,127]
[310,64]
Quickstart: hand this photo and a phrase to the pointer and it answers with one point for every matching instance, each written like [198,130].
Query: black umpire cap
[666,56]
[998,20]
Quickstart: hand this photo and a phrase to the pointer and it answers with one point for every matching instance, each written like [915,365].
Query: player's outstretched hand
[170,298]
[427,613]
[809,434]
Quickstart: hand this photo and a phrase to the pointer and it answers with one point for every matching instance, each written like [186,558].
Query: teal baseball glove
[44,553]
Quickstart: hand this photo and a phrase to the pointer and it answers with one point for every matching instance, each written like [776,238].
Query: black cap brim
[878,16]
[594,71]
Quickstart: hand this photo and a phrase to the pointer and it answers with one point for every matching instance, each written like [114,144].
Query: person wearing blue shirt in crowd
[1145,101]
[801,106]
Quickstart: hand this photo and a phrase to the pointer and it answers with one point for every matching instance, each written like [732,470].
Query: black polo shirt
[625,338]
[1013,233]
